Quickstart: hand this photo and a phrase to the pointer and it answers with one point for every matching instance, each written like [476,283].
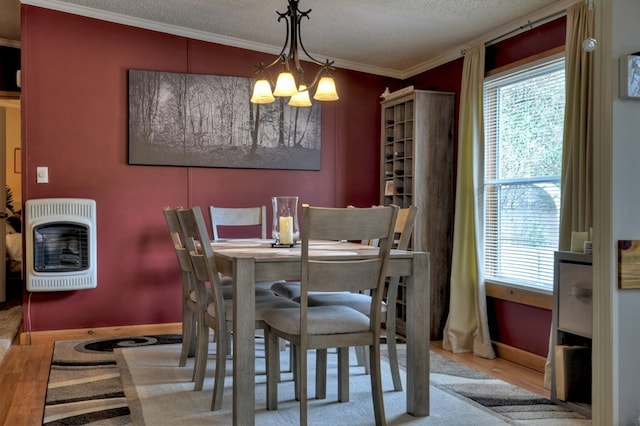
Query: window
[524,119]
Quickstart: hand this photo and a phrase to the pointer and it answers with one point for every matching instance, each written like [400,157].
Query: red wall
[74,120]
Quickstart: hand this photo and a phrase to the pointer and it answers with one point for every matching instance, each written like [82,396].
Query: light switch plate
[42,174]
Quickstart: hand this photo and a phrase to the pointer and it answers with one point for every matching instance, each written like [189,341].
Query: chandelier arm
[282,57]
[299,36]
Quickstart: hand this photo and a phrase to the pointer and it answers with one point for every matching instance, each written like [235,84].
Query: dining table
[249,261]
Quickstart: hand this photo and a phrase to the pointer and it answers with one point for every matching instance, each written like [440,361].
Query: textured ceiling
[396,38]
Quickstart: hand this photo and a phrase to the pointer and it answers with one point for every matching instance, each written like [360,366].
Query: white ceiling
[396,38]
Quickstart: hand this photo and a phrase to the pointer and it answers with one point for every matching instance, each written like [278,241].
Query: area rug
[144,386]
[84,381]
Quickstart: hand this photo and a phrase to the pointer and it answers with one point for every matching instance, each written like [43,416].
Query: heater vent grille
[61,246]
[73,208]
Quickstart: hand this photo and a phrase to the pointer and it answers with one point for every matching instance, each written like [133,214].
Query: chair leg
[296,371]
[222,345]
[291,358]
[390,324]
[283,347]
[343,374]
[272,354]
[302,380]
[376,384]
[361,356]
[188,336]
[195,353]
[202,353]
[321,373]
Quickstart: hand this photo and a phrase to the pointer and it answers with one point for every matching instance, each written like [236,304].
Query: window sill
[540,299]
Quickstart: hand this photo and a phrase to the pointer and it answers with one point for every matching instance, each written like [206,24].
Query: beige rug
[160,393]
[10,324]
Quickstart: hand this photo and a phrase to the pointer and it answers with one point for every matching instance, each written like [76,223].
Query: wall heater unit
[61,246]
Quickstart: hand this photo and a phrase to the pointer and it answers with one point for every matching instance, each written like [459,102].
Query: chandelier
[291,82]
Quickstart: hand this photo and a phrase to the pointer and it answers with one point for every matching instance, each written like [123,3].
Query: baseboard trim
[509,353]
[51,336]
[520,357]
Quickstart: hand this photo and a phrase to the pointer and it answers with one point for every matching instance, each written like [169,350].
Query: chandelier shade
[285,85]
[262,93]
[301,99]
[326,90]
[290,82]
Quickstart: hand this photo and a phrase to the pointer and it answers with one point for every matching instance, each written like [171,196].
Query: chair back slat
[350,276]
[238,217]
[199,267]
[177,237]
[173,224]
[355,224]
[404,226]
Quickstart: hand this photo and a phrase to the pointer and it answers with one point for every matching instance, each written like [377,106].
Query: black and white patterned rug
[512,403]
[84,381]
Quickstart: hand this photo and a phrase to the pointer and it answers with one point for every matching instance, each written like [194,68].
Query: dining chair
[403,229]
[250,222]
[189,299]
[335,326]
[189,307]
[214,310]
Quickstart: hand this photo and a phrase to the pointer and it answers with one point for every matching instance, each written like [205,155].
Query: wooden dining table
[248,261]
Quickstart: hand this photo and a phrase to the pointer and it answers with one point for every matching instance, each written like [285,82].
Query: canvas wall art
[196,120]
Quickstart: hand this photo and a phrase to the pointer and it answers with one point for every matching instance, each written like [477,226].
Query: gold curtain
[467,327]
[576,208]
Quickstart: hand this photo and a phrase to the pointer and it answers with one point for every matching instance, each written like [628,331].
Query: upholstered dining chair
[189,307]
[214,310]
[403,230]
[334,326]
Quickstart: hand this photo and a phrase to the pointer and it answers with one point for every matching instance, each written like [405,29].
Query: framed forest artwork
[196,120]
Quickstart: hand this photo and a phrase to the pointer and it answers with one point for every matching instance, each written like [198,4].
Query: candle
[286,230]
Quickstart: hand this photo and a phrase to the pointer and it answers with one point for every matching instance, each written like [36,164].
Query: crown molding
[511,28]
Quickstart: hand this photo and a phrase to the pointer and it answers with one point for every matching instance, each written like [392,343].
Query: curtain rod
[528,26]
[522,28]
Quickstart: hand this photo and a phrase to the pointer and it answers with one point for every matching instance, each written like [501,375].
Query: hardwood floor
[499,368]
[23,379]
[25,371]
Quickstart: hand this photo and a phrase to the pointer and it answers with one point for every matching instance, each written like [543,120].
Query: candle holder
[285,230]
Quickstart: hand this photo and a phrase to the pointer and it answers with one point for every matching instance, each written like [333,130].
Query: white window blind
[524,119]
